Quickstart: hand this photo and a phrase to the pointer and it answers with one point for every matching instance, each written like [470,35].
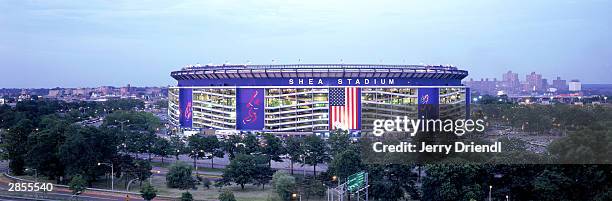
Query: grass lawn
[249,193]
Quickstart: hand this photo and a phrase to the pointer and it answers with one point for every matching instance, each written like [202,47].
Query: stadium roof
[227,71]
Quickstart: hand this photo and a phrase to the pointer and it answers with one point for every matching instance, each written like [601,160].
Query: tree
[179,176]
[284,185]
[454,182]
[240,170]
[230,145]
[77,185]
[313,187]
[145,142]
[212,148]
[346,163]
[138,121]
[250,145]
[186,196]
[272,148]
[585,146]
[84,148]
[339,141]
[14,142]
[148,192]
[246,169]
[227,195]
[142,170]
[126,167]
[162,148]
[263,171]
[195,145]
[391,182]
[551,184]
[315,152]
[43,146]
[293,147]
[178,146]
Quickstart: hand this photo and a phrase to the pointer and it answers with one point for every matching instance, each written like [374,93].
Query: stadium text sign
[342,81]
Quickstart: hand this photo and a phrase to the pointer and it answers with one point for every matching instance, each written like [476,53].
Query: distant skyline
[46,44]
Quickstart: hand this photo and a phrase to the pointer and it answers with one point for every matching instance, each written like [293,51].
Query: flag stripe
[344,108]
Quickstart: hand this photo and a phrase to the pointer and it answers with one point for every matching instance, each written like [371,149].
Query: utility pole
[112,174]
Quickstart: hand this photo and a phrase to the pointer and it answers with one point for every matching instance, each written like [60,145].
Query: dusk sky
[92,43]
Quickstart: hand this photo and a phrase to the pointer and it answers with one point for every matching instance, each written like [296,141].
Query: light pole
[507,198]
[112,174]
[122,122]
[153,171]
[490,188]
[35,173]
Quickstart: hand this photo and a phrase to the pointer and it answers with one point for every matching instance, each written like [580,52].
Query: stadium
[312,98]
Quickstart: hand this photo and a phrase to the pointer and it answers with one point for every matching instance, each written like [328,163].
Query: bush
[179,176]
[77,184]
[227,195]
[186,196]
[284,184]
[313,187]
[148,192]
[219,184]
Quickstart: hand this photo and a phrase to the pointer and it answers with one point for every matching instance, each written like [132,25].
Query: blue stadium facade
[307,98]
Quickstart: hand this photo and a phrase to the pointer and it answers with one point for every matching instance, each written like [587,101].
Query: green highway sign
[356,181]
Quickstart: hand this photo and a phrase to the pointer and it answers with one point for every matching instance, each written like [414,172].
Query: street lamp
[35,173]
[112,174]
[507,197]
[154,172]
[122,122]
[295,196]
[490,188]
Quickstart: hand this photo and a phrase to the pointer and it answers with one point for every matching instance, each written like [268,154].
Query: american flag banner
[345,108]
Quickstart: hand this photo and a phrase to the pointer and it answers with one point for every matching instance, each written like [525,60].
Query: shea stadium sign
[321,81]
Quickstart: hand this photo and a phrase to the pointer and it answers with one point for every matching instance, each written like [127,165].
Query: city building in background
[312,98]
[533,85]
[560,85]
[575,86]
[510,83]
[534,82]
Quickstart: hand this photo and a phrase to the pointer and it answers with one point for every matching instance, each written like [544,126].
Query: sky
[92,43]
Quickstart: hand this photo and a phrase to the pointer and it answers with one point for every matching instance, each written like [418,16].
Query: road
[222,162]
[58,193]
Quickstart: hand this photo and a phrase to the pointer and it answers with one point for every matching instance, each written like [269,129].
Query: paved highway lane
[59,193]
[222,162]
